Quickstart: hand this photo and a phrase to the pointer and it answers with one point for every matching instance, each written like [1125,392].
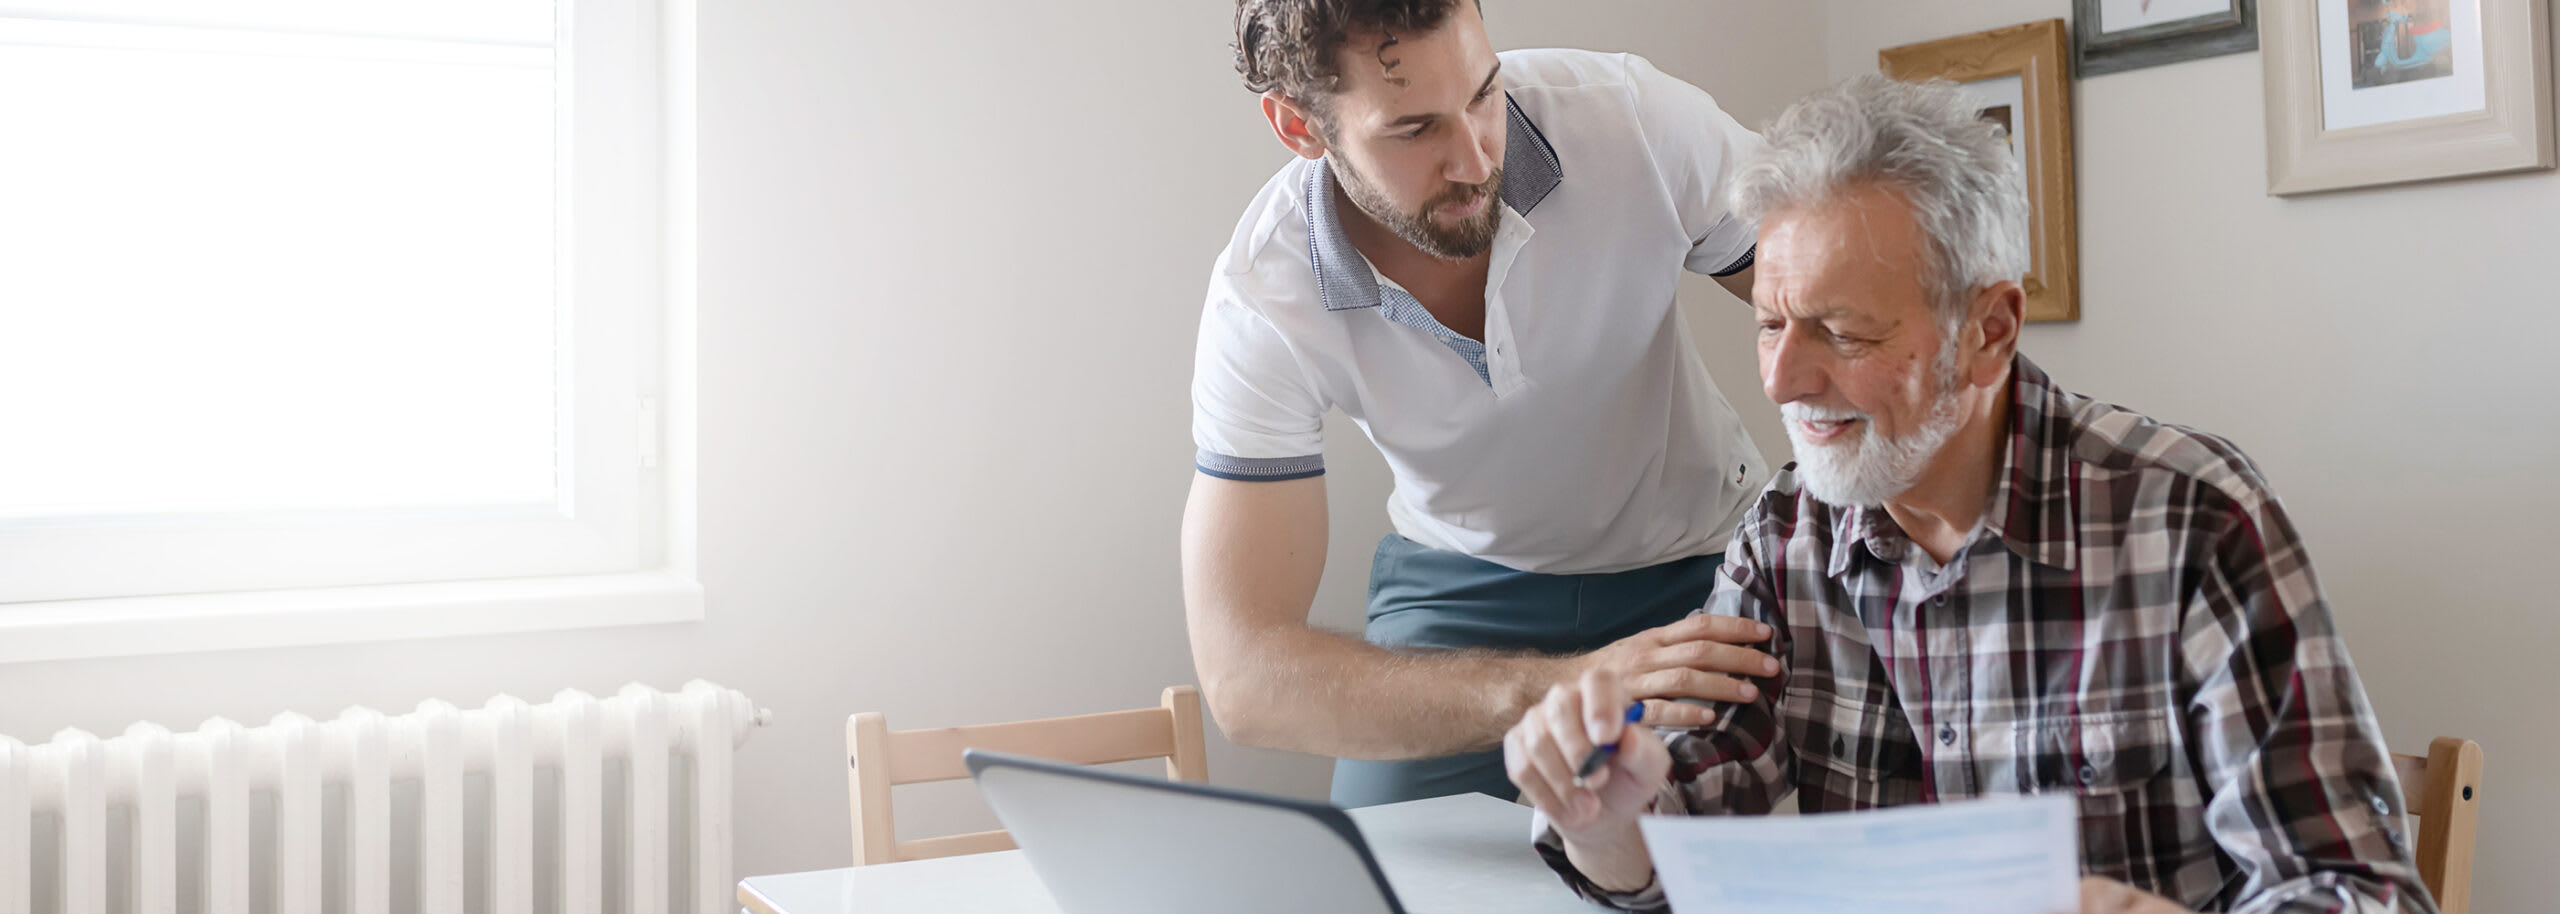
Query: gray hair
[1967,192]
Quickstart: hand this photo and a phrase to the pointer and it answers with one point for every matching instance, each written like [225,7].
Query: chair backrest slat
[2413,780]
[919,756]
[955,845]
[882,758]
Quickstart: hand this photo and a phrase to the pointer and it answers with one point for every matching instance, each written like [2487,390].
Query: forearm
[1252,555]
[1321,692]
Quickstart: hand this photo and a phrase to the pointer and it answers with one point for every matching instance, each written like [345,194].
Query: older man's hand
[2100,895]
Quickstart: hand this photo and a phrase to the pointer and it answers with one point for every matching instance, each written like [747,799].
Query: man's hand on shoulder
[1700,657]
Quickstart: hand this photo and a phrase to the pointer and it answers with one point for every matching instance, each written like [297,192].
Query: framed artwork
[2113,35]
[2366,92]
[2021,77]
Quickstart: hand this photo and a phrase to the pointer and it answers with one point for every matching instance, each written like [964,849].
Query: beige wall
[2385,356]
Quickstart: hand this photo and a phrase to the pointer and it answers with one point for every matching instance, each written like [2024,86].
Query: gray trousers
[1425,598]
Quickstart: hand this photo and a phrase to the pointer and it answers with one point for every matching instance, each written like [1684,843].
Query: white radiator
[85,784]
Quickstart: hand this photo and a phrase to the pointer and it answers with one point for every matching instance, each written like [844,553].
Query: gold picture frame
[2033,61]
[2338,117]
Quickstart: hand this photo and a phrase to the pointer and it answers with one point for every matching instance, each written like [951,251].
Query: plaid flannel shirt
[2134,623]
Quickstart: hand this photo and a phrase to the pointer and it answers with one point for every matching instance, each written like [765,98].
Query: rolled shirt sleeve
[2303,798]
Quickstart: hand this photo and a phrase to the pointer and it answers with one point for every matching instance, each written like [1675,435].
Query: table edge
[754,901]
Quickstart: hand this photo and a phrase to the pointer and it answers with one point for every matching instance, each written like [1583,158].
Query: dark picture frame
[2093,52]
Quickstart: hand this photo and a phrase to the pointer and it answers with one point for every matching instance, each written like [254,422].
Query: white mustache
[1808,412]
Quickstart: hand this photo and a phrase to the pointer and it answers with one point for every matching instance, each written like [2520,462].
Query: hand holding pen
[1579,757]
[1599,754]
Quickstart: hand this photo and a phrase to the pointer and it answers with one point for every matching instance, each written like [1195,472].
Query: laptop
[1109,843]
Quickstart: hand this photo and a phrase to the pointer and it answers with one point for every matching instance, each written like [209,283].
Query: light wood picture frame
[2322,61]
[2171,33]
[2036,56]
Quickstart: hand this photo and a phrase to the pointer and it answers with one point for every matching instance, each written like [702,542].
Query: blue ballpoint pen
[1591,763]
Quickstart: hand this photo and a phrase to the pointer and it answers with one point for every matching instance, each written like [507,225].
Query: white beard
[1871,468]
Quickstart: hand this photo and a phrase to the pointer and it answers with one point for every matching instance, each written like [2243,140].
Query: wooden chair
[883,759]
[2444,794]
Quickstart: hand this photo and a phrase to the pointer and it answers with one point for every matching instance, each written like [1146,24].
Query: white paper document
[2006,855]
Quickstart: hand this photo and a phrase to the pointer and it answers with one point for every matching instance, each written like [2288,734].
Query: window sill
[136,626]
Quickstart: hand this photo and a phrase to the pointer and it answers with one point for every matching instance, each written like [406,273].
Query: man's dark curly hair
[1293,45]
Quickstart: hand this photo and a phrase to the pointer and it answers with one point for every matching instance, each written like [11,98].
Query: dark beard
[1468,239]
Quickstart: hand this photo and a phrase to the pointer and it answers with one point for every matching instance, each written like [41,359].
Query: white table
[1463,853]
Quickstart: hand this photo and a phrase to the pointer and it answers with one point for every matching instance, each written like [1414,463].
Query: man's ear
[1998,312]
[1293,124]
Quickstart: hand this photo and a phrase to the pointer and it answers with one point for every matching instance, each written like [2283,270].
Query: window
[305,295]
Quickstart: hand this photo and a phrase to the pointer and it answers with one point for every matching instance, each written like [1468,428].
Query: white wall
[2383,354]
[952,265]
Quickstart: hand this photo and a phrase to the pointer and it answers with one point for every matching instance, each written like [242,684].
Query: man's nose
[1790,369]
[1472,162]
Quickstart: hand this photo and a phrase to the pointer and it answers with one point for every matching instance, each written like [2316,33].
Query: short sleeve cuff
[1741,264]
[1259,469]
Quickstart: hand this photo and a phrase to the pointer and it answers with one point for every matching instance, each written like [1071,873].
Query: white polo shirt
[1582,434]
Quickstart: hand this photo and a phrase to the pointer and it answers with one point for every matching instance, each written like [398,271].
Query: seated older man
[1980,583]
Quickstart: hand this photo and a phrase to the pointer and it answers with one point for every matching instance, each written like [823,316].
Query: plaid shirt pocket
[2115,763]
[1853,755]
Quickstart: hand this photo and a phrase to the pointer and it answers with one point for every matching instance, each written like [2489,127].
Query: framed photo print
[2113,35]
[2367,92]
[2020,75]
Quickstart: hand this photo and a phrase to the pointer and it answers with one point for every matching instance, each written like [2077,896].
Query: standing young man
[1476,257]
